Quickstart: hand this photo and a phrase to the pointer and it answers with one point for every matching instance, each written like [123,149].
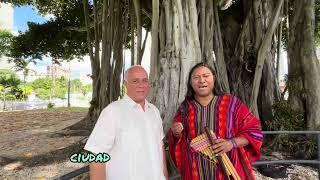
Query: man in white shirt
[130,131]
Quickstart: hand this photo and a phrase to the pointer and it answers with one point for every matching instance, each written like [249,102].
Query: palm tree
[7,80]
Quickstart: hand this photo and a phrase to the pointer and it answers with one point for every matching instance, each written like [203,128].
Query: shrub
[50,105]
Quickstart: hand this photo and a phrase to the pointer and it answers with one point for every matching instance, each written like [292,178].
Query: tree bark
[154,60]
[266,44]
[94,58]
[136,4]
[143,47]
[180,52]
[279,40]
[120,23]
[132,24]
[304,63]
[242,31]
[219,64]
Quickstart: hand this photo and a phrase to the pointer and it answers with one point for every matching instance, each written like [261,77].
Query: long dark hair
[190,92]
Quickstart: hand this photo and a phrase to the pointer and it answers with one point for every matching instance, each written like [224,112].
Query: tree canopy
[5,42]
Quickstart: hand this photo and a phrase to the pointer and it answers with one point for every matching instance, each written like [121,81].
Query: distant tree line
[12,88]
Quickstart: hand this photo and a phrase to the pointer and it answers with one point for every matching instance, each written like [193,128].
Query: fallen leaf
[12,166]
[28,155]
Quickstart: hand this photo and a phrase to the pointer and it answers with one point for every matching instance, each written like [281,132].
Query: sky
[24,14]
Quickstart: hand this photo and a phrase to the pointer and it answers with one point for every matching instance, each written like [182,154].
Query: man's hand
[221,146]
[177,128]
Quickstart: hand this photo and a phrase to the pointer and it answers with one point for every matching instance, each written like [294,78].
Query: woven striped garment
[228,117]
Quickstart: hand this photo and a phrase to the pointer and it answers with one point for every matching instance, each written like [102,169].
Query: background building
[6,22]
[57,71]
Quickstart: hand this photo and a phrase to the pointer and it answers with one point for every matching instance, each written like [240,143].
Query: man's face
[202,81]
[137,84]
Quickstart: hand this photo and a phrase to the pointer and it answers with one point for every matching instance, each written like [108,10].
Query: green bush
[50,105]
[287,119]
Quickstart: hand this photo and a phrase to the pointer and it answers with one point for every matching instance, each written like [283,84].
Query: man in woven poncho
[238,131]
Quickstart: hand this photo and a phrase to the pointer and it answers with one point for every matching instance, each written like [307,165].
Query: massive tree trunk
[243,29]
[304,68]
[179,51]
[187,32]
[231,49]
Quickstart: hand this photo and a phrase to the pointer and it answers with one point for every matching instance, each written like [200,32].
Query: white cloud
[78,67]
[49,16]
[15,32]
[46,16]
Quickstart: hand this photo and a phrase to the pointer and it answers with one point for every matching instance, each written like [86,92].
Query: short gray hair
[127,71]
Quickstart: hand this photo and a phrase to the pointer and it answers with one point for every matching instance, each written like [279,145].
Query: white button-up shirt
[133,139]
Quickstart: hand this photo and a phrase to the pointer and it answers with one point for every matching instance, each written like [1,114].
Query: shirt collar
[134,104]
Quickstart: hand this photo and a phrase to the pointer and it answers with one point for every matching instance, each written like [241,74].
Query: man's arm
[97,171]
[165,170]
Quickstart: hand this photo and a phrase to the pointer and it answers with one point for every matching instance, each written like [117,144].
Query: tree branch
[261,57]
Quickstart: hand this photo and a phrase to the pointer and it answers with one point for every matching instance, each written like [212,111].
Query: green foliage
[289,119]
[9,82]
[52,38]
[76,85]
[24,91]
[293,82]
[291,13]
[61,88]
[5,42]
[8,97]
[50,105]
[22,65]
[8,78]
[317,22]
[86,89]
[286,118]
[62,37]
[46,87]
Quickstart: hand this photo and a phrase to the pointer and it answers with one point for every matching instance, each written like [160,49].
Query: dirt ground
[37,145]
